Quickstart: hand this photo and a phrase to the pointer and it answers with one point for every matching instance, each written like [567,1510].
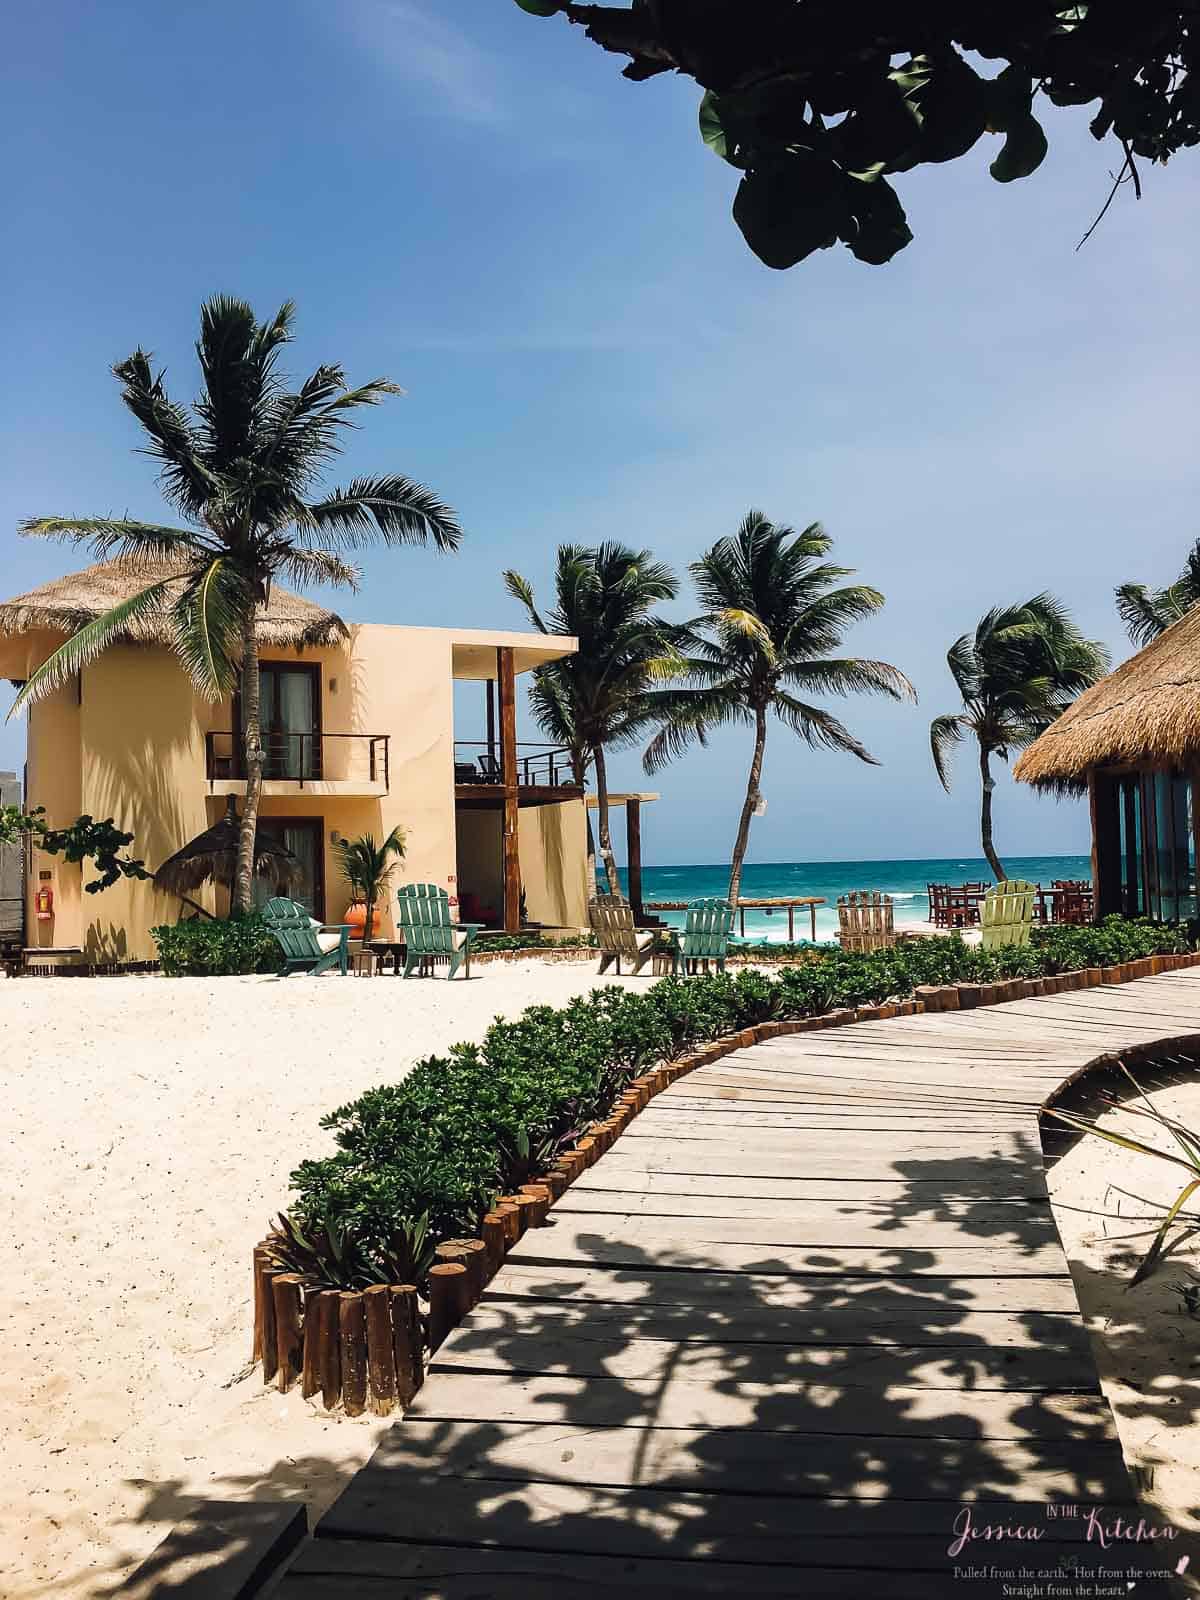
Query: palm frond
[174,441]
[82,647]
[945,733]
[522,591]
[121,537]
[316,566]
[851,675]
[209,617]
[685,718]
[391,510]
[818,727]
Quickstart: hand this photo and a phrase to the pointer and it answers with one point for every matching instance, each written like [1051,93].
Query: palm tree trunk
[252,760]
[752,799]
[579,766]
[606,849]
[985,815]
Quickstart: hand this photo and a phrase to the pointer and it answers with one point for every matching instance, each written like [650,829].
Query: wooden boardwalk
[810,1305]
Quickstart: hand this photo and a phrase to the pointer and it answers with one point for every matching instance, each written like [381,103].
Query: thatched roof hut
[1145,714]
[1132,743]
[67,604]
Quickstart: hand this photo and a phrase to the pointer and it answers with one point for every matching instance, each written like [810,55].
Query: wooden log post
[506,680]
[381,1360]
[270,1351]
[287,1293]
[495,1241]
[329,1346]
[407,1342]
[447,1300]
[259,1261]
[510,1214]
[310,1379]
[352,1329]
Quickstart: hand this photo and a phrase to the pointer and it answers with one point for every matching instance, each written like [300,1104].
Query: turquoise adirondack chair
[1008,914]
[297,938]
[428,932]
[706,935]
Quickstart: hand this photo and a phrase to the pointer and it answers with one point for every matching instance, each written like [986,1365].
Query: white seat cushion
[459,936]
[644,941]
[328,941]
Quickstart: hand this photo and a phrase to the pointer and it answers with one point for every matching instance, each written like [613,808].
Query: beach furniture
[612,923]
[298,938]
[429,934]
[1008,913]
[1072,900]
[866,920]
[705,936]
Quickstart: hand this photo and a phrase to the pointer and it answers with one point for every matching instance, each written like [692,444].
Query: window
[304,837]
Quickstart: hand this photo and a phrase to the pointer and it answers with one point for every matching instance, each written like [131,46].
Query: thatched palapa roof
[211,857]
[68,604]
[1146,712]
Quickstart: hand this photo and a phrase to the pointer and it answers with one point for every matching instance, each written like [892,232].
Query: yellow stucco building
[358,726]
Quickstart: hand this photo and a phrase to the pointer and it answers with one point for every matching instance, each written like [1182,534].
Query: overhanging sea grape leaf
[1023,151]
[790,206]
[540,8]
[712,130]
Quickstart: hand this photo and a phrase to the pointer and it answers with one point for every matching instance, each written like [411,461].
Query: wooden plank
[927,1161]
[335,1569]
[535,1349]
[618,1286]
[220,1550]
[851,1191]
[900,1534]
[936,1323]
[977,1217]
[511,856]
[1023,1229]
[843,1261]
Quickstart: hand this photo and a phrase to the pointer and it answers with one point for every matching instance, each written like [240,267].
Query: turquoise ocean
[906,881]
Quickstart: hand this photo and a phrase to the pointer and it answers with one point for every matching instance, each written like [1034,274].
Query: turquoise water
[906,881]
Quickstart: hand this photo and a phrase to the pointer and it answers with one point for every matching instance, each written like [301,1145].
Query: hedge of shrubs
[216,947]
[430,1155]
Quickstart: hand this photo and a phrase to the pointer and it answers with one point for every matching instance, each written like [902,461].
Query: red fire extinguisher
[44,904]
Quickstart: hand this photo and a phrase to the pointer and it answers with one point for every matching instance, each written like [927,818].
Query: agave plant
[1187,1141]
[334,1256]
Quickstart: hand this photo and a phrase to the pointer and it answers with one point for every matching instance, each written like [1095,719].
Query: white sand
[1147,1347]
[149,1129]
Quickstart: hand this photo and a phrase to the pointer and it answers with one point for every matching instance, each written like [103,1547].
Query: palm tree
[367,866]
[773,610]
[1017,672]
[1147,612]
[242,469]
[596,698]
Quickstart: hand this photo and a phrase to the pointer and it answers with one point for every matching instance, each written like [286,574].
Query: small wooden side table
[363,964]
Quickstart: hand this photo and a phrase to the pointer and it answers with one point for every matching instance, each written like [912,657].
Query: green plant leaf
[791,206]
[1023,151]
[711,129]
[540,8]
[1152,1257]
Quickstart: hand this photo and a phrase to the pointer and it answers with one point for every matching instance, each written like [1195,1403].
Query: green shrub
[201,948]
[435,1150]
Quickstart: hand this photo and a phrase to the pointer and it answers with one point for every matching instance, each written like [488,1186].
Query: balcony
[352,764]
[543,773]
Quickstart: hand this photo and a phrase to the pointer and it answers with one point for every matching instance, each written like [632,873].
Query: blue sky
[475,203]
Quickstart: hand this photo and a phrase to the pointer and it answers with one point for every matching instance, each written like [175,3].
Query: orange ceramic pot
[356,919]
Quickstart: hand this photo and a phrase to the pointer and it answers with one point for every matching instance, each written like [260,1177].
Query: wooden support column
[491,720]
[507,681]
[633,856]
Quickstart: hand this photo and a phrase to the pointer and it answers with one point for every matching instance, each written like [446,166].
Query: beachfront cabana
[1131,743]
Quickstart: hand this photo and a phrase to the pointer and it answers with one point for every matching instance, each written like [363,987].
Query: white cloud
[412,43]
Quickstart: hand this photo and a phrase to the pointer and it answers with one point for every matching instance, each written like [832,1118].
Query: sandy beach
[1147,1346]
[149,1131]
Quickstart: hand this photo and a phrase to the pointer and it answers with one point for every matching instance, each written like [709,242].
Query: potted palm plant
[367,866]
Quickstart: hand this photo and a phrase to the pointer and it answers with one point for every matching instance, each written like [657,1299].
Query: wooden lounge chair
[612,923]
[428,933]
[706,935]
[297,938]
[1008,913]
[866,920]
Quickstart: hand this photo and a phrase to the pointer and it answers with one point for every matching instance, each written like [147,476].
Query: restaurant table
[974,898]
[811,901]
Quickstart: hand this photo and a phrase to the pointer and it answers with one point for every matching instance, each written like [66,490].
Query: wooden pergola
[633,842]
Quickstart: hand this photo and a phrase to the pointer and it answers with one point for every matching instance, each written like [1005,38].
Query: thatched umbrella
[211,857]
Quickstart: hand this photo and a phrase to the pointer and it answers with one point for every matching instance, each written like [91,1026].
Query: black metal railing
[545,766]
[303,757]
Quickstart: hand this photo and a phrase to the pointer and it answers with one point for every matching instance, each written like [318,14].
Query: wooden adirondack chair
[612,923]
[706,934]
[297,938]
[866,920]
[428,933]
[1008,914]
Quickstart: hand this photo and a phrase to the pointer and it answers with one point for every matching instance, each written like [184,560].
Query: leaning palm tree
[595,699]
[1148,612]
[1017,672]
[242,469]
[773,610]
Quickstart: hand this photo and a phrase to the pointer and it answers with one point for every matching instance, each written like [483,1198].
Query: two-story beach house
[358,726]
